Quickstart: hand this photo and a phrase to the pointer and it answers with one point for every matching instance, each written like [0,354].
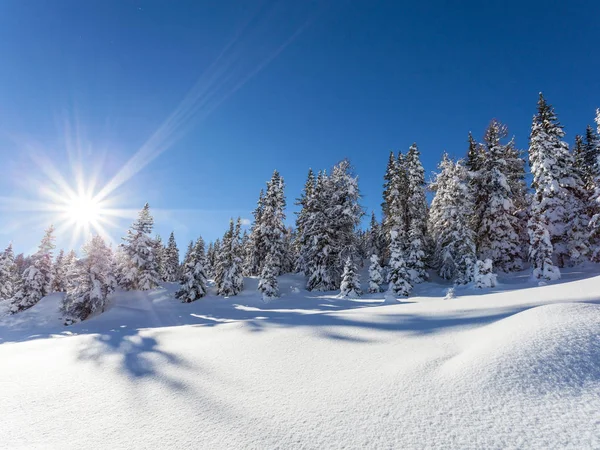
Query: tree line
[483,219]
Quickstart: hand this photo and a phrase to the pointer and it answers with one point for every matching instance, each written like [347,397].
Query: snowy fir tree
[594,206]
[140,267]
[272,227]
[398,276]
[555,204]
[374,239]
[483,274]
[159,256]
[93,281]
[256,245]
[498,236]
[450,222]
[290,257]
[229,264]
[193,276]
[171,260]
[267,284]
[9,276]
[37,278]
[375,275]
[302,242]
[333,215]
[416,211]
[22,262]
[59,273]
[395,202]
[70,265]
[350,285]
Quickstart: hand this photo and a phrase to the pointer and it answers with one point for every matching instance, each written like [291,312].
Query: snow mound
[540,350]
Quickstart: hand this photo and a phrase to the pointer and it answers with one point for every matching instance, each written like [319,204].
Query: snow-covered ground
[517,366]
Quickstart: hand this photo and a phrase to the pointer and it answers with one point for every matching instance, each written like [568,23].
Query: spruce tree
[375,275]
[395,202]
[319,259]
[272,227]
[334,214]
[228,273]
[70,264]
[171,260]
[555,203]
[267,284]
[417,216]
[37,278]
[9,277]
[398,276]
[59,281]
[140,265]
[257,246]
[483,276]
[498,234]
[350,285]
[374,244]
[302,240]
[450,222]
[193,276]
[94,280]
[159,257]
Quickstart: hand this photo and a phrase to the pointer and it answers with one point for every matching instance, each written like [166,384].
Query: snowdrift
[541,350]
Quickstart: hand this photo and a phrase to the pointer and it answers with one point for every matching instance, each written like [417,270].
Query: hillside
[517,366]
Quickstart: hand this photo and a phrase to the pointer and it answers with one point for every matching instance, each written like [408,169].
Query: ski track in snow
[517,366]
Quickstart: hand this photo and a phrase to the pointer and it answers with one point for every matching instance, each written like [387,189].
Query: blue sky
[297,85]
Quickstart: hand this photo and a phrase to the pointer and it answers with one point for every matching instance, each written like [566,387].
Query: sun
[84,210]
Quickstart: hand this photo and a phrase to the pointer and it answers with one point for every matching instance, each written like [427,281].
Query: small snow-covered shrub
[483,275]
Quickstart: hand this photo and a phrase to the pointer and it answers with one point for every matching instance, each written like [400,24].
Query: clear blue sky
[301,84]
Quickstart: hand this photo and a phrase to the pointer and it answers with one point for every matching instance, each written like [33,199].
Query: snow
[514,366]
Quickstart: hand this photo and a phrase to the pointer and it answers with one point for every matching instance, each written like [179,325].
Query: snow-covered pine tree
[193,277]
[209,259]
[374,244]
[375,275]
[318,257]
[159,257]
[9,277]
[497,237]
[417,216]
[483,274]
[228,277]
[272,227]
[246,254]
[450,222]
[70,264]
[302,240]
[140,267]
[398,276]
[541,250]
[22,262]
[94,281]
[59,270]
[171,260]
[257,246]
[395,194]
[556,205]
[290,257]
[267,284]
[594,207]
[350,285]
[37,278]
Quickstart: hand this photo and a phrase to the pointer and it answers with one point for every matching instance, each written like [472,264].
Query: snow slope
[517,366]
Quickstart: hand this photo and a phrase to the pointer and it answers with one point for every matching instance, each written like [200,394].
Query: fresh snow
[514,366]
